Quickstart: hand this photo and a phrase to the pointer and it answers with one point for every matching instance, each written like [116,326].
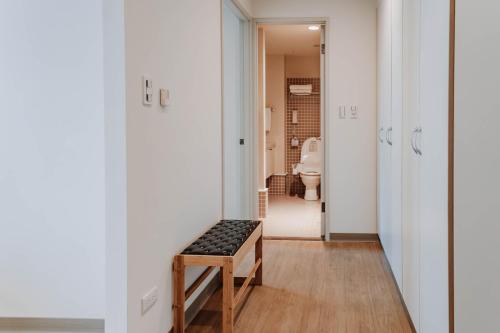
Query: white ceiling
[291,40]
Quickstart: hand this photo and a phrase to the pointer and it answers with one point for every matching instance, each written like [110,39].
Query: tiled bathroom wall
[276,184]
[309,125]
[263,203]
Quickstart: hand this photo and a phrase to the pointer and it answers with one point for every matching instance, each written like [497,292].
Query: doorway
[291,150]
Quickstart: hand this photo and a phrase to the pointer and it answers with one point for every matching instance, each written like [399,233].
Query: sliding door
[384,122]
[396,136]
[234,118]
[411,159]
[433,143]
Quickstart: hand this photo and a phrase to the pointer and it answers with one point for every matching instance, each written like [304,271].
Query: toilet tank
[310,156]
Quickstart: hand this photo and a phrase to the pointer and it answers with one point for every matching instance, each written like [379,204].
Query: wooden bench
[225,246]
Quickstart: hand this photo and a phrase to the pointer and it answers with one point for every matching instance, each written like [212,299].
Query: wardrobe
[413,90]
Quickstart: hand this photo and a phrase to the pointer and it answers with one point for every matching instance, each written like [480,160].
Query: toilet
[310,167]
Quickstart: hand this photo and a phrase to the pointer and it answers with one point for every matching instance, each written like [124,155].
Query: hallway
[316,287]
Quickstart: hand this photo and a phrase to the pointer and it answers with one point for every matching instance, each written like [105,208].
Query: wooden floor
[316,287]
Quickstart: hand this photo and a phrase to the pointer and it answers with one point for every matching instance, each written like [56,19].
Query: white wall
[303,66]
[351,73]
[173,154]
[52,201]
[477,162]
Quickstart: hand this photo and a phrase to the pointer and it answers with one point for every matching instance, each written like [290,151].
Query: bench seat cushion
[223,239]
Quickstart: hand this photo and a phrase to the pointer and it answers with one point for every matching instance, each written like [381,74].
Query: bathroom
[293,149]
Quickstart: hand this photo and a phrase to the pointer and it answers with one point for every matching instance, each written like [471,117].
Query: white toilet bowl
[311,180]
[310,167]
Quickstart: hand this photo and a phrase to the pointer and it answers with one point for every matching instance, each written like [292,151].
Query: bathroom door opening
[290,105]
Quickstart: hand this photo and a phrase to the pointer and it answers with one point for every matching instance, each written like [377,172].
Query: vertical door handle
[418,140]
[380,138]
[388,136]
[413,137]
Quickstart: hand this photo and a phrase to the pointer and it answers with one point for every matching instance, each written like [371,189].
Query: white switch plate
[354,112]
[149,300]
[147,90]
[341,111]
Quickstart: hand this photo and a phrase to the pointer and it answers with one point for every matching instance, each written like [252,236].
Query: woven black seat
[223,239]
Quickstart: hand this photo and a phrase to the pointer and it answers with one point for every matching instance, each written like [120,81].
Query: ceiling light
[313,27]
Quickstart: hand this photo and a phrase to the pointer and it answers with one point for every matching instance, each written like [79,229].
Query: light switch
[342,112]
[147,90]
[354,112]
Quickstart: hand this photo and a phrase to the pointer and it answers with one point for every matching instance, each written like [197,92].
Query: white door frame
[325,117]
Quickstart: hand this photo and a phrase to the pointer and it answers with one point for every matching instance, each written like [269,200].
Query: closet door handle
[380,138]
[417,140]
[388,136]
[413,137]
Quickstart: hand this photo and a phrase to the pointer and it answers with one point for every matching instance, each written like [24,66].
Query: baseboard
[354,237]
[292,238]
[388,265]
[51,325]
[200,301]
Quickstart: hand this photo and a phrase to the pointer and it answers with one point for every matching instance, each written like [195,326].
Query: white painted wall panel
[52,170]
[174,155]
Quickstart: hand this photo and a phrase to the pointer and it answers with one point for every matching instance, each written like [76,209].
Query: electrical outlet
[149,300]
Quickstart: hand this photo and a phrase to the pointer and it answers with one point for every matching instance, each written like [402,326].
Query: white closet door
[384,119]
[395,138]
[434,145]
[411,159]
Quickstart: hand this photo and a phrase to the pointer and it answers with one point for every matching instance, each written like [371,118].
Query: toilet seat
[310,173]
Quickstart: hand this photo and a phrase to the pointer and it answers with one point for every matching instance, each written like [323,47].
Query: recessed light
[313,27]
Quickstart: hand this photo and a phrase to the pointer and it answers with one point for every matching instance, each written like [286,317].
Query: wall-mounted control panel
[354,112]
[348,112]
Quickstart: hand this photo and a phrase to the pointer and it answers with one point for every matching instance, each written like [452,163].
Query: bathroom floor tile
[292,217]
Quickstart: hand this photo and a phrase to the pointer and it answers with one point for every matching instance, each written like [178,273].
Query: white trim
[324,112]
[253,124]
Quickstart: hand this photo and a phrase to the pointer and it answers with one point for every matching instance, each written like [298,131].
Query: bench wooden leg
[258,255]
[227,296]
[179,294]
